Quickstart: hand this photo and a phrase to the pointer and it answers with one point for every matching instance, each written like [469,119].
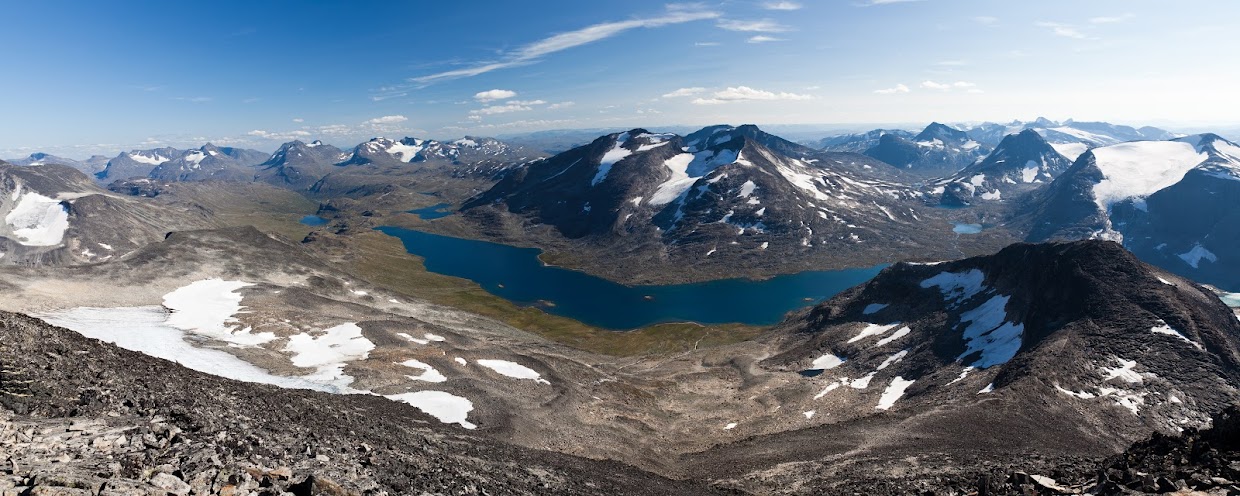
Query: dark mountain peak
[1044,122]
[941,132]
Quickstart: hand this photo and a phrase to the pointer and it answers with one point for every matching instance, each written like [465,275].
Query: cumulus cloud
[747,94]
[560,105]
[782,6]
[387,120]
[682,92]
[492,95]
[762,39]
[758,26]
[899,88]
[533,52]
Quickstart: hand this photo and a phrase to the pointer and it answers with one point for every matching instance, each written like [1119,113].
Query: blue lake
[967,228]
[434,211]
[313,220]
[516,274]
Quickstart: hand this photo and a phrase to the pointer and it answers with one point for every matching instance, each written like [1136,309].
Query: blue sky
[101,77]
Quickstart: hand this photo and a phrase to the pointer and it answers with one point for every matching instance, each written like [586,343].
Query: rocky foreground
[81,417]
[78,416]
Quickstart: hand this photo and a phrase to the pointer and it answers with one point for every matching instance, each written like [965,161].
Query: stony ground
[82,417]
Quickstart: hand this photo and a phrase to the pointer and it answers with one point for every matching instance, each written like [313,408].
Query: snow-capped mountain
[1070,138]
[1190,227]
[136,163]
[859,142]
[91,165]
[1072,348]
[1020,163]
[55,215]
[210,162]
[937,151]
[299,165]
[479,155]
[713,196]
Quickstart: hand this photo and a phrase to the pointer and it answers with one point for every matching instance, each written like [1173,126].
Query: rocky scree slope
[1055,350]
[82,417]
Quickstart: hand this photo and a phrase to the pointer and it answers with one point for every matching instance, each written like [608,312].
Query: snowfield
[37,220]
[207,307]
[146,330]
[1140,168]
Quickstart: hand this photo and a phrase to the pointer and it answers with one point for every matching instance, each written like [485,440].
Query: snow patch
[874,308]
[1194,256]
[37,220]
[512,369]
[448,408]
[893,393]
[872,330]
[989,333]
[206,308]
[826,362]
[957,286]
[903,331]
[329,352]
[429,374]
[1163,328]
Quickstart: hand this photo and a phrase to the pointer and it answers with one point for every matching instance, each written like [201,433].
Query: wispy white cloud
[560,105]
[755,26]
[1111,19]
[491,95]
[501,109]
[194,99]
[298,120]
[683,92]
[705,43]
[782,6]
[898,88]
[868,3]
[762,39]
[747,94]
[282,136]
[388,119]
[952,63]
[533,52]
[1064,30]
[958,85]
[986,20]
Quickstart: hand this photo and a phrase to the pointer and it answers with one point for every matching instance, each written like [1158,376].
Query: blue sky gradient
[100,77]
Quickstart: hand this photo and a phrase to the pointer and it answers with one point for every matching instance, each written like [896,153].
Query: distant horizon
[1229,131]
